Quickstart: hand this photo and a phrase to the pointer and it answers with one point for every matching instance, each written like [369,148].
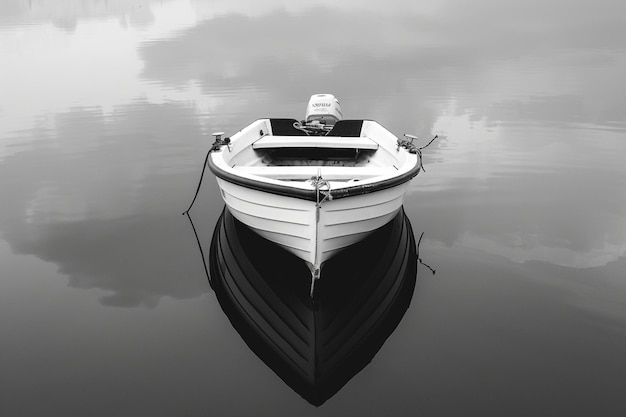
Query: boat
[316,346]
[316,186]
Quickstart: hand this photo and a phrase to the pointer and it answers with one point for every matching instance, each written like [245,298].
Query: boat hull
[312,231]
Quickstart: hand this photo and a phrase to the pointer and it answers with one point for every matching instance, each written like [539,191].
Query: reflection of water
[315,347]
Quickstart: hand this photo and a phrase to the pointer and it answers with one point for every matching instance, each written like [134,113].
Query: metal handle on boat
[406,143]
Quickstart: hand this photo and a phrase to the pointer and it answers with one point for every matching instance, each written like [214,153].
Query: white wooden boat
[318,186]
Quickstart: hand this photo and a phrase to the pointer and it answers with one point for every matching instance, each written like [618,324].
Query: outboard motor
[323,109]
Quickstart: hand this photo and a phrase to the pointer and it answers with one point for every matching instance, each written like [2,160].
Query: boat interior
[281,149]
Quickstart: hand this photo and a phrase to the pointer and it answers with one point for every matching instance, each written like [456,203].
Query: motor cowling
[323,108]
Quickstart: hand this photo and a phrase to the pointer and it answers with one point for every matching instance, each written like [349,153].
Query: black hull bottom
[317,346]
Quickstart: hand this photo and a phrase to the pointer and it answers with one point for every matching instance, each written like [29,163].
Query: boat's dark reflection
[316,348]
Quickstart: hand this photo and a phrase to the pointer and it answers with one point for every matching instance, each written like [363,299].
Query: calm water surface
[106,110]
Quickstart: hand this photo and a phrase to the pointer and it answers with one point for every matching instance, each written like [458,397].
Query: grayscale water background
[106,110]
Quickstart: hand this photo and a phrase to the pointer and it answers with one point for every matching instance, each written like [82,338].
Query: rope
[206,160]
[418,253]
[408,145]
[298,125]
[313,129]
[318,182]
[204,263]
[216,146]
[431,141]
[419,155]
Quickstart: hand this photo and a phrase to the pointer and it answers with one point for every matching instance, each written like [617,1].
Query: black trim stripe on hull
[311,195]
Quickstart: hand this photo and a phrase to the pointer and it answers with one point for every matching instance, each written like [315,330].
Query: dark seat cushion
[347,128]
[284,127]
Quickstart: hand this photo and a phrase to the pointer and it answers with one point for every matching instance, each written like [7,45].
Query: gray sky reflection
[528,197]
[507,56]
[552,334]
[101,202]
[518,93]
[138,259]
[66,14]
[105,116]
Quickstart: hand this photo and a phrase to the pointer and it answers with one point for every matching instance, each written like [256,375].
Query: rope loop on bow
[408,145]
[322,188]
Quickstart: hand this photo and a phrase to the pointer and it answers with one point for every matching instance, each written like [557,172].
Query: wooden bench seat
[334,142]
